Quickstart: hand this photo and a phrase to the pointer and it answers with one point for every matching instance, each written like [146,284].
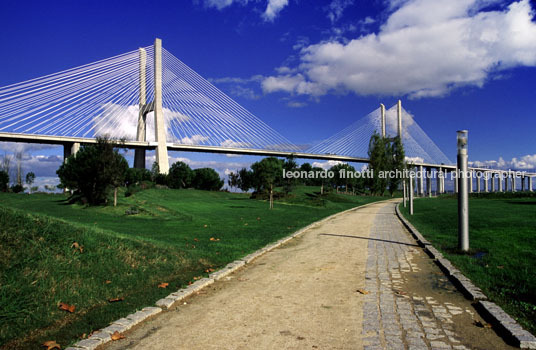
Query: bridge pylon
[155,107]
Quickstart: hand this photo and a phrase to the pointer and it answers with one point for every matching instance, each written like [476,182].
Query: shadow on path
[369,239]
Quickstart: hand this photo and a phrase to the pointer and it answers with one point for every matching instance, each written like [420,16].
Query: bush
[134,176]
[17,188]
[206,179]
[4,180]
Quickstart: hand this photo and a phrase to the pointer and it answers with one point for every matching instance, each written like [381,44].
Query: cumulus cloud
[336,8]
[221,4]
[526,162]
[425,48]
[194,140]
[273,8]
[327,164]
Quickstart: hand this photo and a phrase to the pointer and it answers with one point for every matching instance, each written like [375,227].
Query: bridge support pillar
[492,182]
[478,182]
[438,181]
[421,181]
[530,183]
[486,182]
[429,182]
[500,181]
[522,183]
[506,182]
[141,135]
[159,123]
[513,182]
[382,114]
[69,149]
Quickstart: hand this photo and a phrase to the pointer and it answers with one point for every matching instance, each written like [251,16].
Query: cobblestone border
[104,335]
[500,320]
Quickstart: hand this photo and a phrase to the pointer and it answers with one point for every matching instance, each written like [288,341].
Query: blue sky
[310,68]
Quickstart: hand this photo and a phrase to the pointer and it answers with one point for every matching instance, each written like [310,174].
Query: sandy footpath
[300,296]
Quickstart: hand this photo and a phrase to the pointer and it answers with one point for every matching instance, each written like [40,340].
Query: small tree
[206,179]
[289,165]
[378,162]
[245,179]
[266,173]
[30,178]
[233,180]
[397,162]
[94,170]
[340,181]
[180,175]
[4,181]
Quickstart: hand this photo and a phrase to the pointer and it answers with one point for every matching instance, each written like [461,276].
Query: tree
[245,179]
[378,162]
[94,170]
[180,175]
[156,176]
[343,181]
[207,179]
[307,167]
[18,157]
[233,180]
[266,173]
[397,160]
[30,178]
[289,165]
[135,176]
[4,180]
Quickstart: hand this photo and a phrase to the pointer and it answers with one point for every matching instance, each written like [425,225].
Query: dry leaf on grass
[362,291]
[209,270]
[163,285]
[116,300]
[66,307]
[214,239]
[78,247]
[116,336]
[107,282]
[51,344]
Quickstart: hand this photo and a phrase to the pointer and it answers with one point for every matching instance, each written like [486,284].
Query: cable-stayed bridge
[153,101]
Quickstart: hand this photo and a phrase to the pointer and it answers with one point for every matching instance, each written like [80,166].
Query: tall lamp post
[463,196]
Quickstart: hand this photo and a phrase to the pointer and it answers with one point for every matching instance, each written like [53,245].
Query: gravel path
[356,281]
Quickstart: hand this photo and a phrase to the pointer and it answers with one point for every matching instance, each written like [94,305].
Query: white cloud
[336,8]
[194,140]
[425,48]
[221,4]
[234,144]
[273,8]
[326,165]
[526,162]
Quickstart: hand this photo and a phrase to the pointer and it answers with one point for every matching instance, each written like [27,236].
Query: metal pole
[463,195]
[421,181]
[456,189]
[438,181]
[429,182]
[399,114]
[410,194]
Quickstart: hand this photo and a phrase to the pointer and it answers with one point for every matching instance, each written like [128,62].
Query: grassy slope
[503,229]
[169,241]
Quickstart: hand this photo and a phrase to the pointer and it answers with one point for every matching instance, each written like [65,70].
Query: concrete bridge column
[506,182]
[478,182]
[438,181]
[522,183]
[530,183]
[141,135]
[442,182]
[69,149]
[470,179]
[486,182]
[429,182]
[160,126]
[421,181]
[513,182]
[500,181]
[492,182]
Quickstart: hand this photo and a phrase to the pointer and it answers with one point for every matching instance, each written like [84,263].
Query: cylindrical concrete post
[410,195]
[421,181]
[522,183]
[463,195]
[438,181]
[493,182]
[513,182]
[429,182]
[456,189]
[486,182]
[404,188]
[478,182]
[141,134]
[382,113]
[530,183]
[500,181]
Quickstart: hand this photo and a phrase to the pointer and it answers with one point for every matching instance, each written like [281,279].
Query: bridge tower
[156,107]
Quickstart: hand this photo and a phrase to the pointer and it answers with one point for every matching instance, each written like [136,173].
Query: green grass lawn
[127,256]
[502,233]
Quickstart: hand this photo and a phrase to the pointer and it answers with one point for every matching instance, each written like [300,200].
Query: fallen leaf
[66,307]
[400,292]
[362,291]
[116,300]
[214,239]
[51,344]
[246,224]
[197,278]
[116,336]
[163,285]
[107,282]
[205,225]
[195,239]
[500,267]
[78,247]
[209,270]
[482,324]
[258,218]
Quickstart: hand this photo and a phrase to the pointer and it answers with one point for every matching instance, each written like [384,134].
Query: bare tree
[18,157]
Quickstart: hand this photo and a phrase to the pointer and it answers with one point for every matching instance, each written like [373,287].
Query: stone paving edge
[491,312]
[102,336]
